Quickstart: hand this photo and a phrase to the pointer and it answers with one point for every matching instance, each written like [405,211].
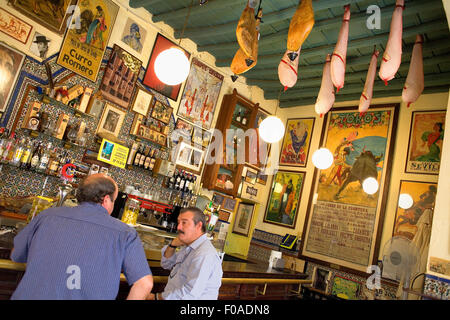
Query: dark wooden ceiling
[213,28]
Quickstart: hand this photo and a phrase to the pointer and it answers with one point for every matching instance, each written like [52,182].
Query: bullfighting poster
[87,37]
[425,142]
[296,142]
[200,95]
[344,222]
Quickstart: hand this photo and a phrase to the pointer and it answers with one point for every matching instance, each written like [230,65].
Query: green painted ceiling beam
[323,50]
[141,3]
[275,39]
[206,31]
[350,97]
[431,80]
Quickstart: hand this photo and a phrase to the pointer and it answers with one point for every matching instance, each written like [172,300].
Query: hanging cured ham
[241,62]
[414,84]
[325,99]
[300,26]
[287,70]
[338,60]
[392,56]
[246,30]
[366,96]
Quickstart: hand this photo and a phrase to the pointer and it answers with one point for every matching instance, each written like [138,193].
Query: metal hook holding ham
[415,82]
[300,27]
[241,62]
[366,95]
[325,99]
[339,57]
[392,56]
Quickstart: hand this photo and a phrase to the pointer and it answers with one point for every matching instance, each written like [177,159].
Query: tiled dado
[437,287]
[264,242]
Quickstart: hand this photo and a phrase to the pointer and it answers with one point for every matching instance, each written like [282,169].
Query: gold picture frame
[111,120]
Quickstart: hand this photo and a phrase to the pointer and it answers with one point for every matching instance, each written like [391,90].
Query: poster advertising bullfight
[87,37]
[344,219]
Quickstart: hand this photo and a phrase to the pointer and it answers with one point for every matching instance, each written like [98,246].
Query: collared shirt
[77,253]
[196,272]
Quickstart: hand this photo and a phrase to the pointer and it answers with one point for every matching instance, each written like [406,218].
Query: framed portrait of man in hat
[39,45]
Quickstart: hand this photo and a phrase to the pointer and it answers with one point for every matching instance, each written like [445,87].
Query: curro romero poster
[87,37]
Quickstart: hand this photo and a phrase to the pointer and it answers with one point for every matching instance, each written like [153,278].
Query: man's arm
[140,290]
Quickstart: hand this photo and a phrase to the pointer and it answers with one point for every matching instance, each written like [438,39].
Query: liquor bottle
[153,160]
[183,181]
[44,158]
[143,156]
[26,156]
[148,159]
[15,161]
[177,180]
[9,148]
[3,140]
[187,183]
[53,163]
[244,119]
[133,151]
[238,117]
[137,158]
[36,156]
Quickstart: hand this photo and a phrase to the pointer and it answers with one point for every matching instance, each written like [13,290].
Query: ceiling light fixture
[271,129]
[322,158]
[172,65]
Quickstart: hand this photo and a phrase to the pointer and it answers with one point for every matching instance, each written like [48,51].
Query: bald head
[98,188]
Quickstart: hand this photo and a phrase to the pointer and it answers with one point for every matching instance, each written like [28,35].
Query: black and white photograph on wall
[39,45]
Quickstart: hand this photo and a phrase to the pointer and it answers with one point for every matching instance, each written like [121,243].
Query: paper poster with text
[113,153]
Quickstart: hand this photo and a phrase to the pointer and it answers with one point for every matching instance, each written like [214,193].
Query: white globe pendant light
[172,66]
[370,185]
[322,158]
[271,129]
[405,201]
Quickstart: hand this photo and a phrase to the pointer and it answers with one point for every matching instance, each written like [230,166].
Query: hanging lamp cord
[186,21]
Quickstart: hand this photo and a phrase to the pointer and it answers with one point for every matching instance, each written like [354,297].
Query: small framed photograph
[225,179]
[182,129]
[95,107]
[111,120]
[218,199]
[321,279]
[197,136]
[261,178]
[229,204]
[161,111]
[250,176]
[39,45]
[14,27]
[142,101]
[134,35]
[243,219]
[189,157]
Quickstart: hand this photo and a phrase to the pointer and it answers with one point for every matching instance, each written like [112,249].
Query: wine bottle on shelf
[9,149]
[148,159]
[244,119]
[153,160]
[187,182]
[133,151]
[183,181]
[177,180]
[54,162]
[44,158]
[15,161]
[171,184]
[238,117]
[137,158]
[36,156]
[26,156]
[143,156]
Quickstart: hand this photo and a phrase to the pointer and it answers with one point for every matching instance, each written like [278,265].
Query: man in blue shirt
[196,270]
[79,252]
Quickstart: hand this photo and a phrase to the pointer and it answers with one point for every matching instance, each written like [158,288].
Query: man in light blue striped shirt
[79,252]
[196,269]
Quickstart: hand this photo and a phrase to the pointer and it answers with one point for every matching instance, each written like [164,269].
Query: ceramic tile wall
[437,287]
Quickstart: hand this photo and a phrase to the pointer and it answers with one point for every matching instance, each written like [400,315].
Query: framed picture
[261,178]
[243,219]
[150,78]
[161,111]
[151,135]
[321,279]
[284,200]
[111,120]
[411,218]
[217,199]
[343,223]
[199,99]
[224,215]
[250,175]
[142,101]
[189,157]
[39,45]
[224,179]
[120,77]
[425,142]
[296,142]
[14,27]
[53,15]
[87,39]
[182,129]
[229,204]
[9,69]
[95,106]
[345,288]
[134,35]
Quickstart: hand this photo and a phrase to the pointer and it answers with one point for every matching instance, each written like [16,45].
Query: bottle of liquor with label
[15,161]
[183,180]
[9,149]
[26,156]
[133,151]
[171,184]
[177,180]
[238,117]
[244,119]
[137,158]
[148,159]
[143,156]
[44,158]
[36,156]
[53,163]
